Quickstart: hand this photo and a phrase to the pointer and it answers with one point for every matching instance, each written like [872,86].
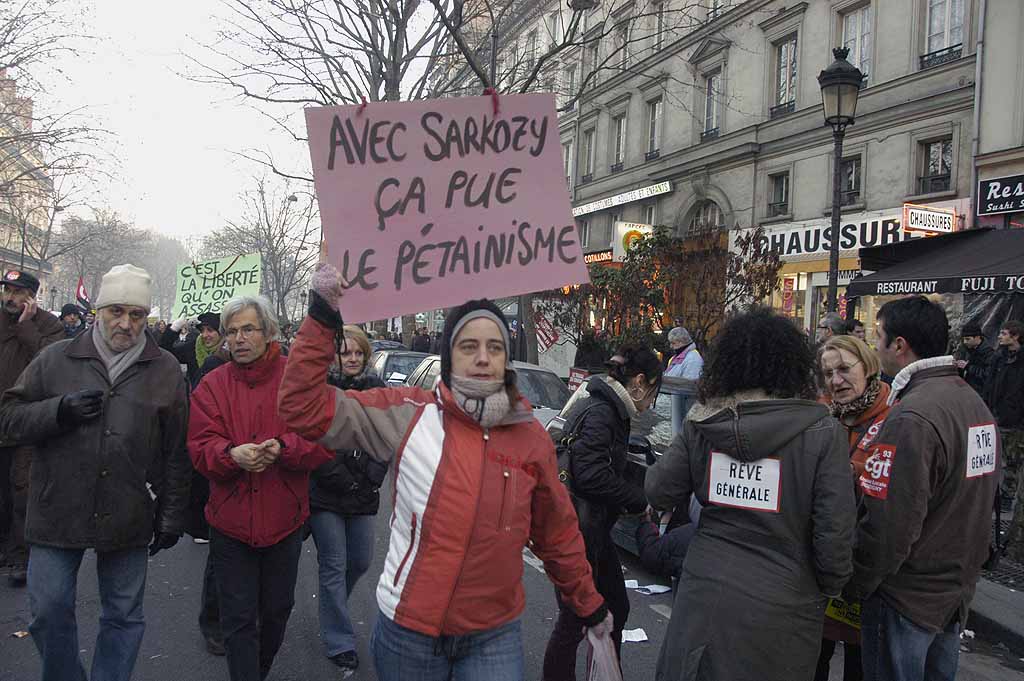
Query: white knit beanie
[125,285]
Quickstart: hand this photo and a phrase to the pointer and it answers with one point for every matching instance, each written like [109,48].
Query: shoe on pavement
[215,646]
[18,576]
[346,660]
[200,540]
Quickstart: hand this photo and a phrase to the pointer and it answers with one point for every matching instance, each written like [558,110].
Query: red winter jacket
[235,405]
[467,499]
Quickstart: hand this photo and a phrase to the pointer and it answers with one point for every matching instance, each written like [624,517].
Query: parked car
[386,345]
[650,434]
[394,366]
[546,392]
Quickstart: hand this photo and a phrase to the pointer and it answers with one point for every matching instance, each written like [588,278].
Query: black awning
[972,261]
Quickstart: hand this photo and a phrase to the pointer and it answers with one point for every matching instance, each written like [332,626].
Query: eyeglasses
[245,332]
[842,371]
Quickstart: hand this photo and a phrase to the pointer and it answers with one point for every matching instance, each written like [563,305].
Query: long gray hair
[264,310]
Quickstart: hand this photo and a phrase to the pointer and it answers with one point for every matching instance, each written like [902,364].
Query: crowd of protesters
[814,493]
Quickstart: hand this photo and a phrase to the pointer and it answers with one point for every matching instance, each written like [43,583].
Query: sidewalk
[997,612]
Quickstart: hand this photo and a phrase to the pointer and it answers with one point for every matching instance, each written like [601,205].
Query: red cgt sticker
[875,479]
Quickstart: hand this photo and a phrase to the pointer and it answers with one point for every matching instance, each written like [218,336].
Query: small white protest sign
[752,485]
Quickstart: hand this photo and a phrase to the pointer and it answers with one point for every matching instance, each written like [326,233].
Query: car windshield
[542,388]
[403,364]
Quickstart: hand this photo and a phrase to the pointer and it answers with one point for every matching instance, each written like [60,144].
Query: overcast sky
[176,140]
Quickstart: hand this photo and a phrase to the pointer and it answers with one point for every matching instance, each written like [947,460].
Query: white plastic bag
[602,662]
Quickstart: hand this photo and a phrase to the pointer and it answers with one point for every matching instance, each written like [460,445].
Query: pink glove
[327,282]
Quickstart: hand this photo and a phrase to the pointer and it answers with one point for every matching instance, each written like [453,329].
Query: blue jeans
[344,550]
[52,585]
[401,654]
[895,649]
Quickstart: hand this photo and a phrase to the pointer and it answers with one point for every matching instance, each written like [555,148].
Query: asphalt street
[173,649]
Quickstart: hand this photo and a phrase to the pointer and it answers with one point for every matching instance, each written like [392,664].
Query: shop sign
[984,284]
[625,234]
[787,294]
[928,219]
[856,231]
[1001,195]
[626,197]
[595,257]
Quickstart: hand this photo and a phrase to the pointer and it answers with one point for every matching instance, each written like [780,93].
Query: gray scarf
[485,401]
[117,362]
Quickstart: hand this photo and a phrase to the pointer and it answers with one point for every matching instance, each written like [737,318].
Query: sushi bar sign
[1001,195]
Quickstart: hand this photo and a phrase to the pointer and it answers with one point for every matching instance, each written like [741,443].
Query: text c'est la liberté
[356,143]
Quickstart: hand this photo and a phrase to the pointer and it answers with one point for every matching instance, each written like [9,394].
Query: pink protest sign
[428,204]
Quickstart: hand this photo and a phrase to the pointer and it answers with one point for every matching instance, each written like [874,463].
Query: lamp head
[840,86]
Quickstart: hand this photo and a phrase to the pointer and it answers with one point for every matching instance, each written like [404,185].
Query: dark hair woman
[343,498]
[771,468]
[597,461]
[859,399]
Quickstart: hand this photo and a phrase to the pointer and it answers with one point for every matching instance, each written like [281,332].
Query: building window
[785,73]
[649,213]
[584,233]
[653,128]
[622,42]
[531,50]
[618,142]
[936,166]
[569,84]
[857,37]
[849,187]
[778,202]
[593,57]
[706,218]
[945,27]
[659,25]
[712,85]
[567,162]
[554,28]
[717,8]
[588,156]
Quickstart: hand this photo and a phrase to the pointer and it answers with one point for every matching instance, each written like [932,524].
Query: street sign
[1001,195]
[928,219]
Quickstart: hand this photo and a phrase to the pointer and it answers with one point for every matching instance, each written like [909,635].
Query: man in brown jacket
[24,331]
[928,488]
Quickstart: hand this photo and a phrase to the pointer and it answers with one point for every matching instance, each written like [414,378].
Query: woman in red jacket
[259,487]
[475,480]
[860,400]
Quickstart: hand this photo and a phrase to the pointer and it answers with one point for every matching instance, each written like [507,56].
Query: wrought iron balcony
[782,109]
[929,184]
[651,155]
[709,135]
[940,57]
[589,177]
[778,208]
[849,197]
[616,167]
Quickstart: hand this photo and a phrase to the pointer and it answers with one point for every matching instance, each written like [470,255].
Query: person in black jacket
[343,498]
[663,545]
[197,346]
[974,357]
[597,463]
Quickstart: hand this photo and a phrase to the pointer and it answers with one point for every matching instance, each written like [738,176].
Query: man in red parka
[259,487]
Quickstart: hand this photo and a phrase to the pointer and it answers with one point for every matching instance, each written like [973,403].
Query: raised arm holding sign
[426,201]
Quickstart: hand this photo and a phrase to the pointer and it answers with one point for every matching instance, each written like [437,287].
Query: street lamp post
[840,86]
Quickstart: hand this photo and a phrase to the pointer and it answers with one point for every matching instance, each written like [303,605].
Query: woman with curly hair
[770,466]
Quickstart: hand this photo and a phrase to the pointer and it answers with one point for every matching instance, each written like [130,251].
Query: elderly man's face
[121,325]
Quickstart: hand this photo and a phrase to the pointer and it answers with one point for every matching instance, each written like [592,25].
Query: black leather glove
[161,541]
[321,310]
[79,407]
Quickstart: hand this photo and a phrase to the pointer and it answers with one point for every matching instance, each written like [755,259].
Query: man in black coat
[974,357]
[107,413]
[1004,393]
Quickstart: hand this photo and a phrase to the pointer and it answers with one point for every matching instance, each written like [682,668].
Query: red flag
[83,297]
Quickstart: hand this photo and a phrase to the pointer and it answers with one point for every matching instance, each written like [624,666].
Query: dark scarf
[859,405]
